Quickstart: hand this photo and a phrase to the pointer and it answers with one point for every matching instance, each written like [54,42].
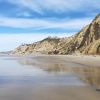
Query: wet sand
[53,83]
[49,93]
[71,60]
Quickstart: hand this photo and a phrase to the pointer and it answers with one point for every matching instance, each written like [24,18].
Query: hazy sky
[26,21]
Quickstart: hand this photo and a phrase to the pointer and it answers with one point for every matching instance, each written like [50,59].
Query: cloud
[29,4]
[58,5]
[51,11]
[39,24]
[11,41]
[24,13]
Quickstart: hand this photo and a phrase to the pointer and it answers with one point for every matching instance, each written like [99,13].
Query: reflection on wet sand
[48,78]
[49,65]
[89,75]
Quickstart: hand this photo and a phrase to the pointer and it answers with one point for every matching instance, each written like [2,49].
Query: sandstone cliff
[87,41]
[44,46]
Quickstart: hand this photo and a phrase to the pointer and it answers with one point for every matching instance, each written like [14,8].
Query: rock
[87,41]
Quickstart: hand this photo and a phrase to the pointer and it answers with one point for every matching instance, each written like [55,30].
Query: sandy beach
[50,77]
[49,93]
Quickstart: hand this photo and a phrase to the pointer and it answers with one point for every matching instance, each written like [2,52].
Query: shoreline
[82,65]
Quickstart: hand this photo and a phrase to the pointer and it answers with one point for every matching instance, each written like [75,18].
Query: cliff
[87,41]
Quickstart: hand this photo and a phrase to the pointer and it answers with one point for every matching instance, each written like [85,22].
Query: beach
[50,77]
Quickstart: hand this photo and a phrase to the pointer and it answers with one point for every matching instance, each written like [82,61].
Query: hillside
[87,41]
[44,46]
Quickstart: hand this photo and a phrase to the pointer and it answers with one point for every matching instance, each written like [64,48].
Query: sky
[27,21]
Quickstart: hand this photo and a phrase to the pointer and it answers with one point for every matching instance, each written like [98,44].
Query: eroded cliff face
[93,38]
[87,41]
[93,48]
[45,46]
